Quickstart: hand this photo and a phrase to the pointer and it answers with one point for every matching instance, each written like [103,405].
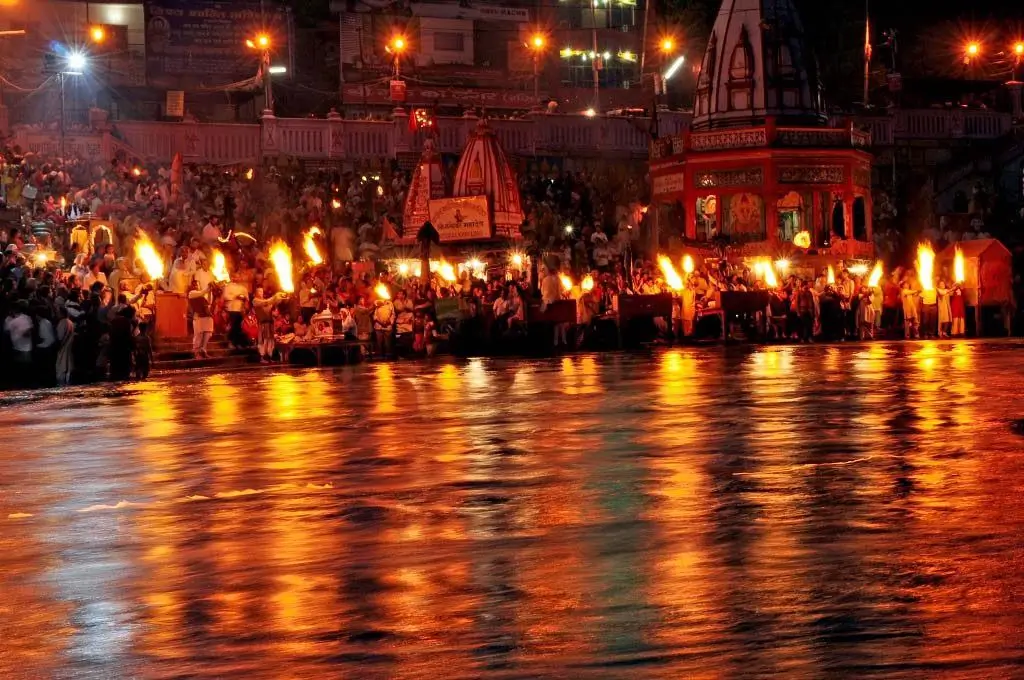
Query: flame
[382,291]
[336,204]
[566,282]
[687,265]
[770,279]
[876,275]
[959,270]
[672,278]
[309,245]
[281,258]
[136,172]
[926,266]
[831,279]
[802,239]
[446,271]
[587,284]
[248,173]
[219,267]
[63,203]
[403,268]
[146,251]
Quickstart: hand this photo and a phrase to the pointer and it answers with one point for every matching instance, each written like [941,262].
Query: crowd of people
[80,305]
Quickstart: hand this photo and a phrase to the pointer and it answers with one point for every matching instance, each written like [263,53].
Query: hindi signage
[666,185]
[203,41]
[175,104]
[461,219]
[374,93]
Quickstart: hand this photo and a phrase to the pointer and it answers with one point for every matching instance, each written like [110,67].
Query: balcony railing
[338,140]
[935,124]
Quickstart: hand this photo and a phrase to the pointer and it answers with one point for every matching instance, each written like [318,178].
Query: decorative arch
[706,79]
[860,219]
[839,218]
[741,63]
[785,66]
[741,74]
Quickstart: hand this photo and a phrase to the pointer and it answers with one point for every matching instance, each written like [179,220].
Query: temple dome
[427,184]
[484,170]
[756,67]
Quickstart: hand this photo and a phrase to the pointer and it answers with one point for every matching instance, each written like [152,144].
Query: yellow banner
[461,219]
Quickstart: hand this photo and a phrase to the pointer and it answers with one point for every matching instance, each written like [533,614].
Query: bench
[346,347]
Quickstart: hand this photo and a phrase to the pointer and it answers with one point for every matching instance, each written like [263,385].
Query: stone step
[217,352]
[231,361]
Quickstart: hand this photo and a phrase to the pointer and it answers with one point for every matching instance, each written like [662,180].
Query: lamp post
[537,46]
[262,43]
[971,52]
[397,48]
[74,65]
[665,48]
[594,61]
[1018,55]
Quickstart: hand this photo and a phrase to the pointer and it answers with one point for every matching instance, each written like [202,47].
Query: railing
[935,124]
[335,139]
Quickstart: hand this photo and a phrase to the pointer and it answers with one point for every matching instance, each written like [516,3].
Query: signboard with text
[372,93]
[461,219]
[202,42]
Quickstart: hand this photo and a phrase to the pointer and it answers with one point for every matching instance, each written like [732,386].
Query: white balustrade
[337,139]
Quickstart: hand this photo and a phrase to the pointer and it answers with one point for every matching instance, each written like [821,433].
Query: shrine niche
[791,210]
[745,217]
[707,218]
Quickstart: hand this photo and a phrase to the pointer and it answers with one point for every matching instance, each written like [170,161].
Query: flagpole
[867,49]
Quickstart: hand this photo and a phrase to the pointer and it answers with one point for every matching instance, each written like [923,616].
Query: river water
[797,512]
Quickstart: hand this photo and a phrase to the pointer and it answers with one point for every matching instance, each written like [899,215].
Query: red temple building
[761,162]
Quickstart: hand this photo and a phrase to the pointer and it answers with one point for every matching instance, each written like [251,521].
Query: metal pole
[643,39]
[597,82]
[62,115]
[268,88]
[867,49]
[536,79]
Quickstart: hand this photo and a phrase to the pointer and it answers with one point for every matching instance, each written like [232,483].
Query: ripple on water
[798,512]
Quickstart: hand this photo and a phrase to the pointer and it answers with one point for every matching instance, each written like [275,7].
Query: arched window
[860,219]
[839,219]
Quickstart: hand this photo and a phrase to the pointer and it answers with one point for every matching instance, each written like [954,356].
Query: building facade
[481,54]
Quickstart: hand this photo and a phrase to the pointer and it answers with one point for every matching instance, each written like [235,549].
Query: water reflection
[797,512]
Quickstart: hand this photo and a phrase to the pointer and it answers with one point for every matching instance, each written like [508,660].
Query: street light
[971,51]
[537,46]
[666,47]
[1018,55]
[74,65]
[262,43]
[397,47]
